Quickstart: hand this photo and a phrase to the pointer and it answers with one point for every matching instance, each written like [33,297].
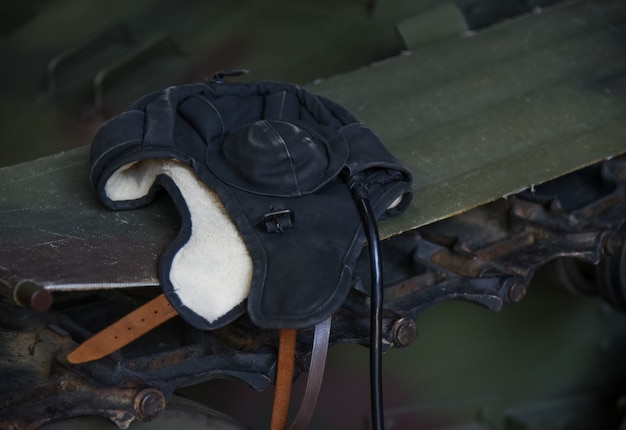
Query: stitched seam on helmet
[282,105]
[293,171]
[215,109]
[95,163]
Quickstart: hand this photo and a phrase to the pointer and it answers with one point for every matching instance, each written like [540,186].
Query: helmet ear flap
[206,271]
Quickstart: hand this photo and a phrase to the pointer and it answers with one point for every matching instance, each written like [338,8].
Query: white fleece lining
[211,273]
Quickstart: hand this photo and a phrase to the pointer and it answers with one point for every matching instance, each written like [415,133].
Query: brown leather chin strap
[159,310]
[124,331]
[284,377]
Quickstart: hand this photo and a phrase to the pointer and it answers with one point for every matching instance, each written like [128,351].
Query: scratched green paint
[489,114]
[475,119]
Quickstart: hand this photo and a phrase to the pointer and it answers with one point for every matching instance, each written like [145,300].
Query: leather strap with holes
[124,331]
[159,310]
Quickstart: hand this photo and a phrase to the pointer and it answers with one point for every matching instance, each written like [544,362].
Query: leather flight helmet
[280,159]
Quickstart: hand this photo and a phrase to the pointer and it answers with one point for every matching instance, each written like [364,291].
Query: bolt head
[149,404]
[612,244]
[404,331]
[516,290]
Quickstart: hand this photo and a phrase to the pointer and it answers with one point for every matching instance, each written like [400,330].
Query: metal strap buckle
[279,221]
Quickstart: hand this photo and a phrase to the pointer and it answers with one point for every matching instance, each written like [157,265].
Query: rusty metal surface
[40,386]
[490,254]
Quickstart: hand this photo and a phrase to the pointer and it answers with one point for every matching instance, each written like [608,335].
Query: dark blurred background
[68,65]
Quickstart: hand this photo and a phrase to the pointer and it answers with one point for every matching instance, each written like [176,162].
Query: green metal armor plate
[476,118]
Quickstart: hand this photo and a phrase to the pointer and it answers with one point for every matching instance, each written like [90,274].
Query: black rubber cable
[376,316]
